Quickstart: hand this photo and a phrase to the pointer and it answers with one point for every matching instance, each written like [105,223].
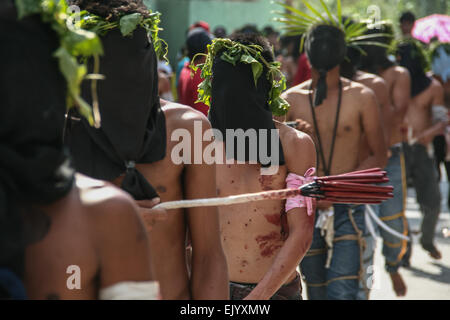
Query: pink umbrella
[436,25]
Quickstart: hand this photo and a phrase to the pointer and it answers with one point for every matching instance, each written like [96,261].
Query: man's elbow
[305,238]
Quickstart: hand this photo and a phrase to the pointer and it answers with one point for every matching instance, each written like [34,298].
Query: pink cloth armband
[294,181]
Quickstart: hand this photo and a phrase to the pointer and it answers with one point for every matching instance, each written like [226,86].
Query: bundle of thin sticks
[359,187]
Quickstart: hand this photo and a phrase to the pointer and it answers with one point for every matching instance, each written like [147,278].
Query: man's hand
[304,126]
[428,135]
[151,216]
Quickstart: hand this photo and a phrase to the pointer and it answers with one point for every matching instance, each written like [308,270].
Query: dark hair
[249,29]
[112,10]
[197,41]
[269,31]
[253,38]
[407,16]
[376,57]
[352,61]
[220,32]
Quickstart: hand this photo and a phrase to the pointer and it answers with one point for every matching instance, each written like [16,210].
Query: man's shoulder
[297,96]
[355,88]
[182,116]
[371,78]
[297,143]
[303,89]
[102,199]
[397,72]
[373,81]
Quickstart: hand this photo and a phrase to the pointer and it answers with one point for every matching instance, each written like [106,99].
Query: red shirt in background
[303,71]
[187,89]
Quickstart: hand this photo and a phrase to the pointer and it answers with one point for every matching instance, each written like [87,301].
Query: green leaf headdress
[234,52]
[297,22]
[127,24]
[74,43]
[79,40]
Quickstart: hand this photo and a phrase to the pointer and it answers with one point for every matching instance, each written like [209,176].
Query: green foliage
[127,25]
[80,41]
[298,22]
[418,52]
[73,44]
[233,53]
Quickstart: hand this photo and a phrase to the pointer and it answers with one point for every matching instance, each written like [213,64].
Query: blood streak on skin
[273,219]
[269,243]
[266,182]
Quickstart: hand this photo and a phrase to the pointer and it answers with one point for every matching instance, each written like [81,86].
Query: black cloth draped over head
[236,103]
[408,56]
[34,167]
[326,48]
[375,58]
[133,127]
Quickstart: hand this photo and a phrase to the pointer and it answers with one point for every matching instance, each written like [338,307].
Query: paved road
[427,279]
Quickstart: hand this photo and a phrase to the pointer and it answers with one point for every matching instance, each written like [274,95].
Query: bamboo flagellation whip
[357,187]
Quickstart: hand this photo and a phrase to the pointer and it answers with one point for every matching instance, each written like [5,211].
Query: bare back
[168,238]
[419,114]
[254,233]
[380,88]
[398,82]
[96,227]
[205,277]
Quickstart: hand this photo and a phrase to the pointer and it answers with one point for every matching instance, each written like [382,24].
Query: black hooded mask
[133,128]
[326,49]
[238,104]
[409,57]
[375,58]
[34,167]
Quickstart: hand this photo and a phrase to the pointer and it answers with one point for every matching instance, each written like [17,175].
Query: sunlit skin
[83,231]
[251,233]
[206,277]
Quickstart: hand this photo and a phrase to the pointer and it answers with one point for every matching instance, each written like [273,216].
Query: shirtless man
[208,278]
[339,142]
[440,60]
[427,118]
[392,212]
[71,223]
[262,242]
[134,114]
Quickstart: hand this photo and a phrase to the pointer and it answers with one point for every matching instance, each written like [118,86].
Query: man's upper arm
[439,94]
[123,246]
[301,157]
[199,183]
[372,126]
[402,92]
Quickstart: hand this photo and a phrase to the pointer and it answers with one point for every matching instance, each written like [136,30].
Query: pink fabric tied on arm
[294,181]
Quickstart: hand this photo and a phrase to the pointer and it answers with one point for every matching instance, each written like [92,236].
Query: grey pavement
[426,279]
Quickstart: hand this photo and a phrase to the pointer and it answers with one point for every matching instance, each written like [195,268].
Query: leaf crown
[235,52]
[79,40]
[298,22]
